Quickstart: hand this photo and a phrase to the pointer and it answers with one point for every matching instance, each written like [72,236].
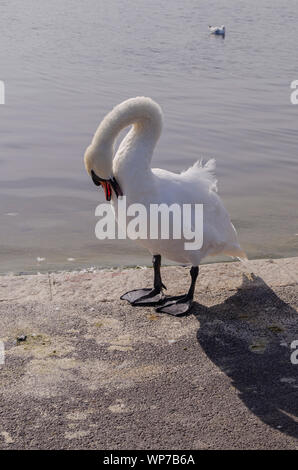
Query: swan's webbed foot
[176,305]
[180,304]
[147,297]
[144,297]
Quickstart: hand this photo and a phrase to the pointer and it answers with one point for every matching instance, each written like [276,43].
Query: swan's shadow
[238,336]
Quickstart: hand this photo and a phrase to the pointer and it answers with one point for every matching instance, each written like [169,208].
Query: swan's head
[98,163]
[99,160]
[223,27]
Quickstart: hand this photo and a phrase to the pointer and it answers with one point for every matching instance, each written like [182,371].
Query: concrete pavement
[96,373]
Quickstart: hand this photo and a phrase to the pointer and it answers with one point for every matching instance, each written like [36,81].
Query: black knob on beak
[96,179]
[112,181]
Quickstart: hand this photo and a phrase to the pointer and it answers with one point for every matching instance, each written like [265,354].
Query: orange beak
[107,185]
[107,189]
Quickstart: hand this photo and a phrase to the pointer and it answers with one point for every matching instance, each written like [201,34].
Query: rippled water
[66,63]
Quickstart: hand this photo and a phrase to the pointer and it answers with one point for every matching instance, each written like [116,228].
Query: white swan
[128,172]
[218,30]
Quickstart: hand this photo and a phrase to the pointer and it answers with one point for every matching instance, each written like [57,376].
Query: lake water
[66,63]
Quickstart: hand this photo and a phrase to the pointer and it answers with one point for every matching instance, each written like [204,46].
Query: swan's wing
[205,172]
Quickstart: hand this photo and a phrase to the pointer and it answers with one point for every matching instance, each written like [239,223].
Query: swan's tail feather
[208,169]
[210,165]
[205,171]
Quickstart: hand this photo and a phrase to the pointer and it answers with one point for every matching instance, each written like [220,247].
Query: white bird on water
[217,30]
[128,172]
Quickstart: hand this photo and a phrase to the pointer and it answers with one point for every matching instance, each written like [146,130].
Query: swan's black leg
[181,304]
[148,297]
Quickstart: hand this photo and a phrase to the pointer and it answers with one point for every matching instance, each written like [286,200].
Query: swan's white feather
[203,171]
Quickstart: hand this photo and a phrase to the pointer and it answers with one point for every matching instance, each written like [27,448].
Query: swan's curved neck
[146,117]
